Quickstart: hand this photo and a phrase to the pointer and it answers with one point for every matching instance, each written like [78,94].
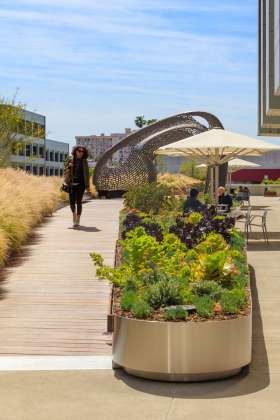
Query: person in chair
[192,203]
[224,198]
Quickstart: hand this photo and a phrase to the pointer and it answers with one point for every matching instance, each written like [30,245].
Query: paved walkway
[52,302]
[107,395]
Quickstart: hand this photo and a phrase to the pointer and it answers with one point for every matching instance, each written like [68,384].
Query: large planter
[182,351]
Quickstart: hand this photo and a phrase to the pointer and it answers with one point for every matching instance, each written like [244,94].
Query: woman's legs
[75,199]
[72,202]
[79,197]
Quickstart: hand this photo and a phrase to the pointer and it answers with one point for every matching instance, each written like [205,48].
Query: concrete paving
[106,394]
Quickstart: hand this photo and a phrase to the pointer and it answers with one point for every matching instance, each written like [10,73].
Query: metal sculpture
[139,167]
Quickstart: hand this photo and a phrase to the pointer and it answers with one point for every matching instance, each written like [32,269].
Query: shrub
[204,306]
[171,314]
[198,262]
[140,309]
[150,198]
[178,182]
[213,242]
[207,287]
[24,201]
[128,299]
[163,293]
[194,218]
[232,300]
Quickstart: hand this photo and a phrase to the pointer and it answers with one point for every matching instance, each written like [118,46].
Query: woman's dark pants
[75,198]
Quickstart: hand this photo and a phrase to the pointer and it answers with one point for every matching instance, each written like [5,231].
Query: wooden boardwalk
[52,302]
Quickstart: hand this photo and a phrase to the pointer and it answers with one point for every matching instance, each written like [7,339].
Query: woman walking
[76,176]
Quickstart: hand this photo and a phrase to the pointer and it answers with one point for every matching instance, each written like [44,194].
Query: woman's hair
[85,156]
[194,193]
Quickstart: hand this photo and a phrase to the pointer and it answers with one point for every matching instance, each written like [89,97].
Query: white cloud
[130,54]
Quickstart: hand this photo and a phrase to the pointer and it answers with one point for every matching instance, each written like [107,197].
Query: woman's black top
[78,173]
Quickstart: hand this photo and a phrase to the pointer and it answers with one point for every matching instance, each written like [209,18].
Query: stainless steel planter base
[199,377]
[182,351]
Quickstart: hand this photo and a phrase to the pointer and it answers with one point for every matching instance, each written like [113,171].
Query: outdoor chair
[243,197]
[246,219]
[222,209]
[259,220]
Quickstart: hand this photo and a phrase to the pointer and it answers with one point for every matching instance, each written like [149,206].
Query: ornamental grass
[178,182]
[24,201]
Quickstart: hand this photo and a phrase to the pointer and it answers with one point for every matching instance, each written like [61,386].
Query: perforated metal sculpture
[139,167]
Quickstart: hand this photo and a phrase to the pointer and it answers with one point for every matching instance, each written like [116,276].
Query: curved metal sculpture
[139,167]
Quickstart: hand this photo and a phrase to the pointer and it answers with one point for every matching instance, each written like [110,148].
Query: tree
[11,116]
[141,122]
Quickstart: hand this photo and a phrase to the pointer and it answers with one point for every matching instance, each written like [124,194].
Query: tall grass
[178,182]
[24,201]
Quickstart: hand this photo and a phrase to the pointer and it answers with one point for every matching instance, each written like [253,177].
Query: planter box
[182,351]
[270,194]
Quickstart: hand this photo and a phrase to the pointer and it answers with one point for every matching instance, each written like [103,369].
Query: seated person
[243,194]
[192,203]
[224,198]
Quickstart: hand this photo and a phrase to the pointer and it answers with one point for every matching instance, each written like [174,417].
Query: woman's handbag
[65,188]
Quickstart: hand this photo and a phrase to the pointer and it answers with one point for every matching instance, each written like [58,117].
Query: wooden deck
[52,303]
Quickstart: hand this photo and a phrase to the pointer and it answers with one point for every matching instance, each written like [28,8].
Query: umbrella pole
[216,182]
[212,183]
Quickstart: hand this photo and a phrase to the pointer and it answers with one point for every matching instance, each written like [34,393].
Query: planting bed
[181,291]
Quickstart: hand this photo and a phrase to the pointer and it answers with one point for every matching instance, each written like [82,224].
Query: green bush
[204,306]
[128,299]
[140,309]
[163,293]
[194,218]
[232,300]
[171,314]
[207,287]
[155,274]
[150,198]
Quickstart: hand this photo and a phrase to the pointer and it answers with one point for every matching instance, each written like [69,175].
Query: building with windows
[98,145]
[269,68]
[38,155]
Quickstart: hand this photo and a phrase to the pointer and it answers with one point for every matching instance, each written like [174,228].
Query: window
[56,156]
[41,151]
[61,157]
[61,172]
[41,171]
[51,171]
[27,150]
[56,172]
[35,149]
[47,155]
[28,168]
[35,170]
[21,149]
[52,156]
[47,171]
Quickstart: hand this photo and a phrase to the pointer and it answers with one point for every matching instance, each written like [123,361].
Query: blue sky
[91,66]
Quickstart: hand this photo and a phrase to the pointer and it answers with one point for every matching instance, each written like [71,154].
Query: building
[38,155]
[98,145]
[269,68]
[269,168]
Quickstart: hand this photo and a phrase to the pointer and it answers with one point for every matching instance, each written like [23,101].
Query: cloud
[129,54]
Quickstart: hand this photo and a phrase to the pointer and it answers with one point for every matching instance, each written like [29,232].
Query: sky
[91,66]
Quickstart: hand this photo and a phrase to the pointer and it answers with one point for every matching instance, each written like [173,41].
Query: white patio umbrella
[216,147]
[235,165]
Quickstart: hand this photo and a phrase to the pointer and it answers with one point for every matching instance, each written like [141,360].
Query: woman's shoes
[75,220]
